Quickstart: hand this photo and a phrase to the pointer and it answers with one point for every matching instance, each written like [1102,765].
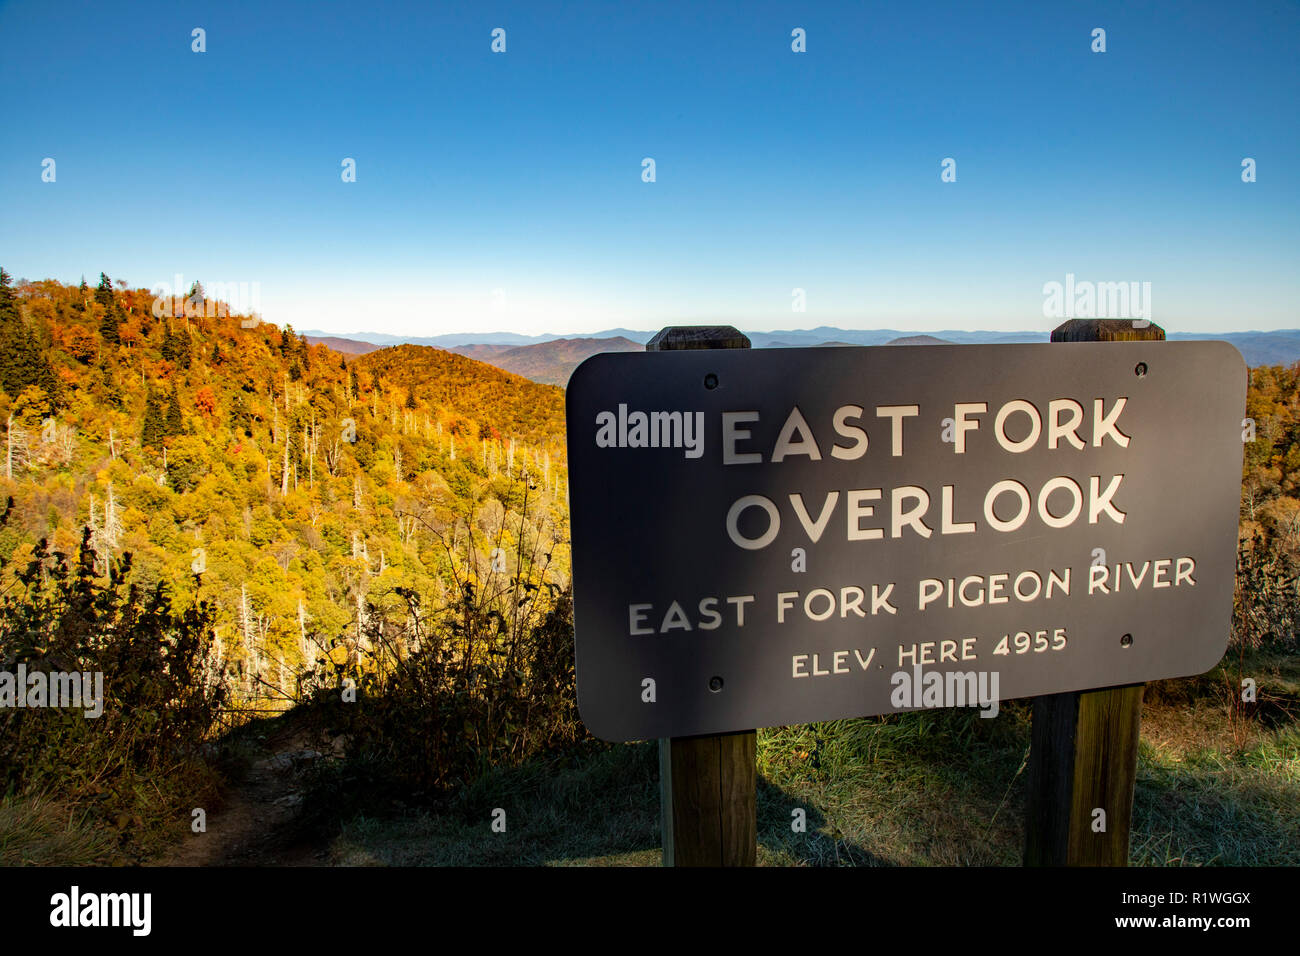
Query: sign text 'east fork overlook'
[765,537]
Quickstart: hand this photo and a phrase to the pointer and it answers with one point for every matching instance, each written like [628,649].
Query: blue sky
[504,191]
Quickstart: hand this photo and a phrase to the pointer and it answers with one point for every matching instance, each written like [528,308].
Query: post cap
[1107,330]
[698,337]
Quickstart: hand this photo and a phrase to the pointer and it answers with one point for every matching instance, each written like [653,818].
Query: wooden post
[707,785]
[1084,744]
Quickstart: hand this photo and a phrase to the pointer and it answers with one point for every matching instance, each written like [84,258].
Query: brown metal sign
[778,536]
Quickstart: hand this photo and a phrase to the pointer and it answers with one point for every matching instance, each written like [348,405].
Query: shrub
[1266,604]
[446,690]
[137,765]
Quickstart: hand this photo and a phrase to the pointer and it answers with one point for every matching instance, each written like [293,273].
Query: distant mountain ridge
[549,363]
[455,339]
[919,340]
[1270,347]
[349,347]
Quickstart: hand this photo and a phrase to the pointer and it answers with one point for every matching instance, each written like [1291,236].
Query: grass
[1217,785]
[913,789]
[39,831]
[1218,781]
[1210,808]
[603,805]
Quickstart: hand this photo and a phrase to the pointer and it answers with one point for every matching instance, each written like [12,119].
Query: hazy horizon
[1173,330]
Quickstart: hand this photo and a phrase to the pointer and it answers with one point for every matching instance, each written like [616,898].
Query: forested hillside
[298,494]
[1271,483]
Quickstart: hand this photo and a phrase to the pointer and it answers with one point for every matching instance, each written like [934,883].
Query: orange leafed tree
[205,402]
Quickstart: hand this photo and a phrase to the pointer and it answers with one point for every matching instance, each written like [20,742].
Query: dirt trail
[252,825]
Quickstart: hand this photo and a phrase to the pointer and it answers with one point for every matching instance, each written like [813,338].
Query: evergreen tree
[108,326]
[8,301]
[194,303]
[112,388]
[16,350]
[104,292]
[43,375]
[239,418]
[174,424]
[83,296]
[22,362]
[151,436]
[175,346]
